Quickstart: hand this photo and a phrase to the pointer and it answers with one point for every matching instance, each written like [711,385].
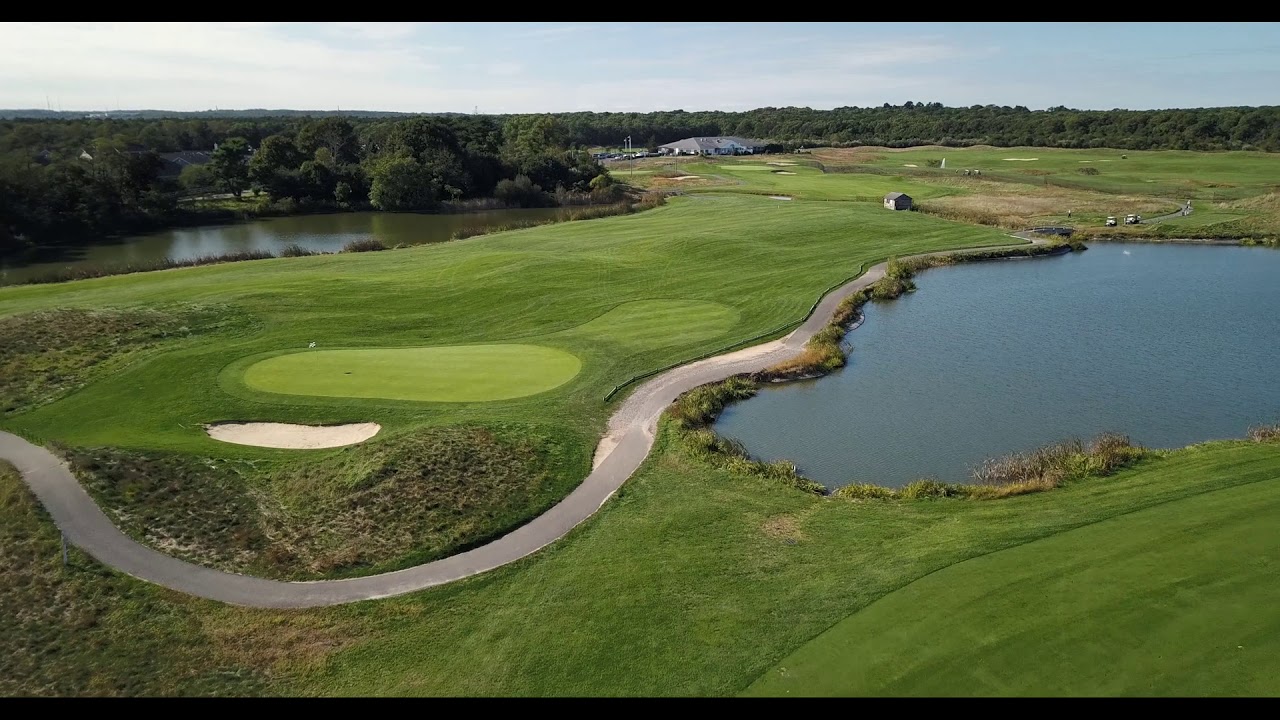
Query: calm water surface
[315,232]
[1169,344]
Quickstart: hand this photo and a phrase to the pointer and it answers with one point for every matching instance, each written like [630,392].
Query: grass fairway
[467,373]
[620,295]
[698,582]
[803,182]
[1163,601]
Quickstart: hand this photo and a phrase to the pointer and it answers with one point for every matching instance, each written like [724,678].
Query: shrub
[927,488]
[520,192]
[296,250]
[85,272]
[1265,433]
[700,406]
[863,491]
[365,245]
[1087,171]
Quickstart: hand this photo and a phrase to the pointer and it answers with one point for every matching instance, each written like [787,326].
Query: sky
[556,67]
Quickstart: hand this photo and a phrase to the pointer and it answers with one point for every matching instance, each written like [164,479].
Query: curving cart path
[626,445]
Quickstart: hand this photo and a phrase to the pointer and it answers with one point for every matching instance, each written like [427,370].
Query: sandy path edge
[619,454]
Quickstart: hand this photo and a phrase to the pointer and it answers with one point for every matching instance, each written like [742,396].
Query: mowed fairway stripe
[1172,600]
[465,373]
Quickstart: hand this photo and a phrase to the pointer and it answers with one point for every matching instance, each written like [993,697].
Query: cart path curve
[630,436]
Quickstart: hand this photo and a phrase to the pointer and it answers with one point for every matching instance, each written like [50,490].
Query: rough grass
[46,355]
[405,501]
[84,630]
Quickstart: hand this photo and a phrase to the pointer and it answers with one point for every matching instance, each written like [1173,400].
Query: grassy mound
[467,373]
[45,355]
[84,630]
[356,511]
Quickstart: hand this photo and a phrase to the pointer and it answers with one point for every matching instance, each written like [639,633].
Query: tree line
[68,183]
[49,196]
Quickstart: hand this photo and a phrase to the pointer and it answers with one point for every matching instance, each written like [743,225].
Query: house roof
[896,195]
[702,144]
[187,157]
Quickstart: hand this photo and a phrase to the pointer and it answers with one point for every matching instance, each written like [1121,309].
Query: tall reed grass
[1265,433]
[1033,471]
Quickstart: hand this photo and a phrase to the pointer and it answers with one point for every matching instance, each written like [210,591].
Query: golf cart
[1132,219]
[1111,221]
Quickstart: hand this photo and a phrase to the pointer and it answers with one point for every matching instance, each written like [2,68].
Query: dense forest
[70,180]
[75,182]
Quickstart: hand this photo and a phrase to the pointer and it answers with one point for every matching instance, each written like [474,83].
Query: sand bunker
[780,163]
[292,437]
[1022,159]
[910,165]
[779,197]
[782,172]
[685,177]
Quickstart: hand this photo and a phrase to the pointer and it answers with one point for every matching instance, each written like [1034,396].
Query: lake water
[1169,344]
[316,232]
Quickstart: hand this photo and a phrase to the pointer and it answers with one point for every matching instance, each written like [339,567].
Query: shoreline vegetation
[647,201]
[691,416]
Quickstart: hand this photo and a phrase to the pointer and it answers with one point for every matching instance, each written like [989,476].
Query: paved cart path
[627,443]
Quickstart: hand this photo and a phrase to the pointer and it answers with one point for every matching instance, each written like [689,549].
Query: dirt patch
[292,437]
[783,527]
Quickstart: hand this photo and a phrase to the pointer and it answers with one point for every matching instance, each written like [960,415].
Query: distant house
[897,201]
[713,146]
[174,162]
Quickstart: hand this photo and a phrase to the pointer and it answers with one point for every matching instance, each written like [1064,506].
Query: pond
[327,232]
[1170,345]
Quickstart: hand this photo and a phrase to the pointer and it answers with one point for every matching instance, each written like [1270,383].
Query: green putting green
[462,373]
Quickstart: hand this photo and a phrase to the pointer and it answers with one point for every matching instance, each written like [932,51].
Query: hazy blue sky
[532,67]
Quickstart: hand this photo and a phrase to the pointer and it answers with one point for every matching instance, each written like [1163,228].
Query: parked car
[1111,221]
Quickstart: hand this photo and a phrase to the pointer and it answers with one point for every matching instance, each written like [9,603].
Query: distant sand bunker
[685,177]
[782,172]
[1022,159]
[779,197]
[780,163]
[292,437]
[910,165]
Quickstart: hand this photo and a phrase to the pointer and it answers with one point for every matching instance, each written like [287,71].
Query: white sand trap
[910,165]
[292,437]
[1022,159]
[779,197]
[780,163]
[782,172]
[686,177]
